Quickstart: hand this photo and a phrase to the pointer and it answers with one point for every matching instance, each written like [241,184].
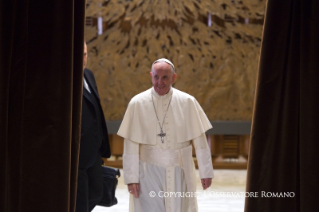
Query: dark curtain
[284,151]
[40,102]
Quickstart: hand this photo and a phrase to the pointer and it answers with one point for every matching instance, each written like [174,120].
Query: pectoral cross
[162,134]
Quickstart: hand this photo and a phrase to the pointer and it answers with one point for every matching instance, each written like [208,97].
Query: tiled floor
[215,199]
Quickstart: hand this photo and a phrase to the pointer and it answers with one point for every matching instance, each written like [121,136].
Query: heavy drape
[284,143]
[40,93]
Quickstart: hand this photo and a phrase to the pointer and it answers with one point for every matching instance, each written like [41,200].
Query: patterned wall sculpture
[216,61]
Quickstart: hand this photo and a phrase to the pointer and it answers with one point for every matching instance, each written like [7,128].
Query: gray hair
[165,61]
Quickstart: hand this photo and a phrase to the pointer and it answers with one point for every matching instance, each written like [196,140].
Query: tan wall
[218,64]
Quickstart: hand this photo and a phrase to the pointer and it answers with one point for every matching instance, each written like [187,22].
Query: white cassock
[161,167]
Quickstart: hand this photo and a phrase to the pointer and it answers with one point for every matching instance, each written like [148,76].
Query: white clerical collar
[163,96]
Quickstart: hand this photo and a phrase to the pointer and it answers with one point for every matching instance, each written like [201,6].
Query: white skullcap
[166,61]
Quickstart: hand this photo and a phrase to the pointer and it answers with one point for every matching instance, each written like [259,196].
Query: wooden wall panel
[217,64]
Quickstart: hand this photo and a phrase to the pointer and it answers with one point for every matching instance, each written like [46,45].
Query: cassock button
[95,133]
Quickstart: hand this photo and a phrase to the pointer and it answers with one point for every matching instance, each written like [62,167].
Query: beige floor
[215,199]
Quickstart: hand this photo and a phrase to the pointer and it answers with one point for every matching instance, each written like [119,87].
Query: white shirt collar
[86,85]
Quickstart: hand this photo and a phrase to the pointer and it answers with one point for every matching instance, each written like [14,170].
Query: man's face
[162,77]
[85,56]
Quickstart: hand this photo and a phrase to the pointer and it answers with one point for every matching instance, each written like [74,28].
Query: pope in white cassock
[158,128]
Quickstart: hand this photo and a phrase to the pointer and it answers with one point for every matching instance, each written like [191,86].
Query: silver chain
[164,115]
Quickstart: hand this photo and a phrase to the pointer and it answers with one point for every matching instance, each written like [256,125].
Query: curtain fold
[284,140]
[41,76]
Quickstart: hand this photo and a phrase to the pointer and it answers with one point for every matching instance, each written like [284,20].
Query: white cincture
[160,157]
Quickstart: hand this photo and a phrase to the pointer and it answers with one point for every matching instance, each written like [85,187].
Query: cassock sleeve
[204,158]
[131,162]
